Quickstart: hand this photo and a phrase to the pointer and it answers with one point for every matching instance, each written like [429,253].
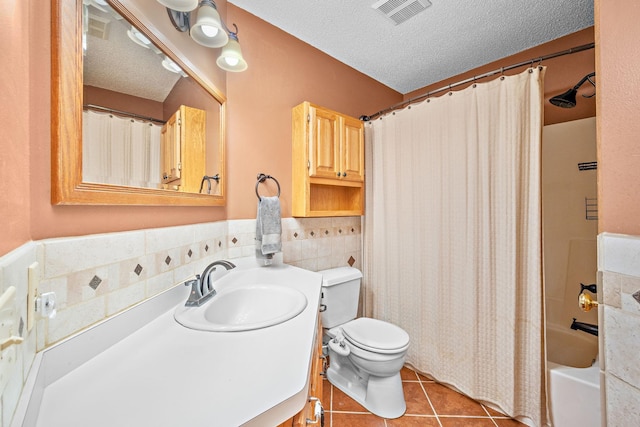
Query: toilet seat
[376,335]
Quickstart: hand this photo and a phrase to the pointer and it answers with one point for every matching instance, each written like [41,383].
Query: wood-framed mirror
[73,184]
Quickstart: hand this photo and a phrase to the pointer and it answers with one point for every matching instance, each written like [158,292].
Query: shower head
[565,100]
[568,99]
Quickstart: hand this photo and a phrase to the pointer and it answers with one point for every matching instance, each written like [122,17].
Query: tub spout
[585,327]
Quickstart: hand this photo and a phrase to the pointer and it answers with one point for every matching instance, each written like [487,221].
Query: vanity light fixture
[205,26]
[208,29]
[137,37]
[179,5]
[169,65]
[230,58]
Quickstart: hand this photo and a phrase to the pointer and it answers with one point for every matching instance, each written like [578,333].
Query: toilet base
[382,396]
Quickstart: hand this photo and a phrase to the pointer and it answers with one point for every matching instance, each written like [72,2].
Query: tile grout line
[490,416]
[424,390]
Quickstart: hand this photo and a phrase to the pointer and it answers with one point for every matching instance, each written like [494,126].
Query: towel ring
[262,178]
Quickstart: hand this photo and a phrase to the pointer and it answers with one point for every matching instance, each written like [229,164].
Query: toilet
[365,355]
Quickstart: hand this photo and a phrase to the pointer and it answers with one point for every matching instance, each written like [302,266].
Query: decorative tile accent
[95,282]
[312,243]
[190,253]
[636,296]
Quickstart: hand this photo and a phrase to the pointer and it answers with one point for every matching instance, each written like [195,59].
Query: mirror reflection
[146,123]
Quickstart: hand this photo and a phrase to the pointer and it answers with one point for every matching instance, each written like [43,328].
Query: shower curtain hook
[501,73]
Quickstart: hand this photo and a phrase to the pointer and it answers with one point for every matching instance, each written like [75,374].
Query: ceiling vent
[98,27]
[399,11]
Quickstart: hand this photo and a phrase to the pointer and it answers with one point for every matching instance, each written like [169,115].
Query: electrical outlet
[46,305]
[34,280]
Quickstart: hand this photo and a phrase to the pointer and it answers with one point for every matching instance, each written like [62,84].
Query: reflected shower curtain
[453,238]
[120,151]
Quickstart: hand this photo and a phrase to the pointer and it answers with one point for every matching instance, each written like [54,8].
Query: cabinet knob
[338,174]
[344,174]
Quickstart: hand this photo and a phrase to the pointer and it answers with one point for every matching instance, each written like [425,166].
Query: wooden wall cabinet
[328,163]
[182,152]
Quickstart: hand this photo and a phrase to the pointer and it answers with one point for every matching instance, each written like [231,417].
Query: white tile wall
[97,276]
[619,267]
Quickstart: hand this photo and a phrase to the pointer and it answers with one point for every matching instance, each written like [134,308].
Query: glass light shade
[230,58]
[170,65]
[207,20]
[137,37]
[180,5]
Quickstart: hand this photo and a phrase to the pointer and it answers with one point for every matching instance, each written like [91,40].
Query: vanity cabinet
[328,163]
[182,150]
[315,386]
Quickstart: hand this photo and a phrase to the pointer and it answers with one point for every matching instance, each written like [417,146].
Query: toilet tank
[340,295]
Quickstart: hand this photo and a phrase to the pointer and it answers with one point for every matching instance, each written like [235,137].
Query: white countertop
[167,375]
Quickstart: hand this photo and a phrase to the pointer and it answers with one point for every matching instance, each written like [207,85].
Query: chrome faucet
[202,287]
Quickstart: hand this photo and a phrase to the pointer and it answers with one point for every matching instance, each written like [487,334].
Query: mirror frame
[67,187]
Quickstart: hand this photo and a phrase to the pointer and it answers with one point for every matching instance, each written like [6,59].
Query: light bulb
[209,31]
[231,61]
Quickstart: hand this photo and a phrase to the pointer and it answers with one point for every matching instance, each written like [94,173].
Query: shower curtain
[120,151]
[453,238]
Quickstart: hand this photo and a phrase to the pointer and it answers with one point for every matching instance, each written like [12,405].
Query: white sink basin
[244,308]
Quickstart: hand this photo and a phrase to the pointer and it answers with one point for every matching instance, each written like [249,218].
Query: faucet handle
[593,288]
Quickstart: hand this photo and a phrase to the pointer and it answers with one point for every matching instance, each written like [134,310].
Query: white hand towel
[268,226]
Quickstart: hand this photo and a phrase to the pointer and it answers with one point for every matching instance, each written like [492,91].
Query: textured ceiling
[448,38]
[118,64]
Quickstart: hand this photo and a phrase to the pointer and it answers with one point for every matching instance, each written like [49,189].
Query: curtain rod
[481,76]
[122,113]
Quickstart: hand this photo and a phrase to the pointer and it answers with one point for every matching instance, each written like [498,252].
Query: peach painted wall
[618,67]
[283,72]
[15,102]
[562,74]
[123,102]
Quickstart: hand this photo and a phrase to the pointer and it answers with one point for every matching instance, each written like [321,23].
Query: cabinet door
[170,149]
[352,150]
[324,143]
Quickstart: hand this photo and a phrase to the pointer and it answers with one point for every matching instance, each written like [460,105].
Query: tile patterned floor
[429,404]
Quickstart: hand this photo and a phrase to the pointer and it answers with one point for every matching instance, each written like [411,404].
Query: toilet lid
[376,335]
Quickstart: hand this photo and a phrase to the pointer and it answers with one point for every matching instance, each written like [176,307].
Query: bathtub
[574,377]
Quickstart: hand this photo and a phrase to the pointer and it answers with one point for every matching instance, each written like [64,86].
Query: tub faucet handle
[593,288]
